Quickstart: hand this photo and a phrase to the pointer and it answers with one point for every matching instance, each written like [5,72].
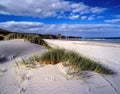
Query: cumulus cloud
[91,17]
[83,17]
[46,8]
[85,30]
[113,20]
[74,17]
[97,10]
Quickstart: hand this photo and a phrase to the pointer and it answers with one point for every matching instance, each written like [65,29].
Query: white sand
[9,51]
[51,79]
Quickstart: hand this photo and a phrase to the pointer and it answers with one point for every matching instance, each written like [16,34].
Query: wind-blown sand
[52,79]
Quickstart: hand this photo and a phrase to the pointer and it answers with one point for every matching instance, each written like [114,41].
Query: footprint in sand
[22,87]
[21,90]
[24,84]
[51,78]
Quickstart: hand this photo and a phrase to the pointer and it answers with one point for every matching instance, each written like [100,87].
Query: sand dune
[42,80]
[18,48]
[9,51]
[52,79]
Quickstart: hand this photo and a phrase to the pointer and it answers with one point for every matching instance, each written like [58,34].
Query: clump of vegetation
[29,37]
[52,56]
[25,62]
[79,62]
[1,37]
[71,58]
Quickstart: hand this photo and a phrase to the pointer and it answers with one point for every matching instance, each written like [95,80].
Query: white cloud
[97,10]
[46,8]
[86,30]
[117,16]
[74,17]
[80,8]
[91,17]
[113,20]
[83,17]
[116,19]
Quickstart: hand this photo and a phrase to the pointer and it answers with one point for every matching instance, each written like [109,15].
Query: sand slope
[9,51]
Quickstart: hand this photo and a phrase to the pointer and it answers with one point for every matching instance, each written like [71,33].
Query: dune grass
[28,37]
[25,62]
[1,37]
[52,56]
[71,58]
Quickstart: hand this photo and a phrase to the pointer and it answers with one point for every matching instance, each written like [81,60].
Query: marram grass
[29,37]
[52,56]
[71,58]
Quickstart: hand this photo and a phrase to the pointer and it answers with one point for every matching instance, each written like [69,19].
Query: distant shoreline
[94,40]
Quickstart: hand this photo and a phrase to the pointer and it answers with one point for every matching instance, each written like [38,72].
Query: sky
[85,18]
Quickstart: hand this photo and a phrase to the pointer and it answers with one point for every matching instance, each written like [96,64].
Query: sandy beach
[52,79]
[108,53]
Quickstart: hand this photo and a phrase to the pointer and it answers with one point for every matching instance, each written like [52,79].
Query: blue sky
[86,18]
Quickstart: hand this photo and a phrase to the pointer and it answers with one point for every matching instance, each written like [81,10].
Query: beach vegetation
[1,37]
[27,37]
[72,59]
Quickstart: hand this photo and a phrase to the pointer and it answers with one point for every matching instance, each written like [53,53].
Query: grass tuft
[52,56]
[1,37]
[83,63]
[73,59]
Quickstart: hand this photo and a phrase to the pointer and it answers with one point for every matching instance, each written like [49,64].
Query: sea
[104,40]
[98,40]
